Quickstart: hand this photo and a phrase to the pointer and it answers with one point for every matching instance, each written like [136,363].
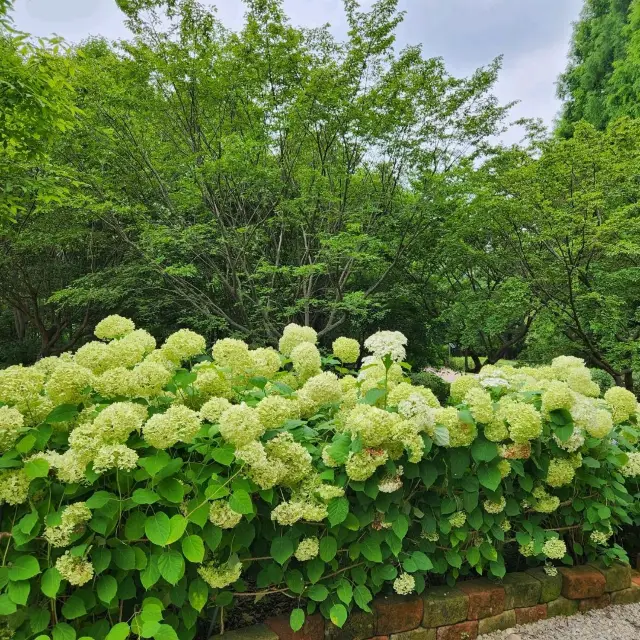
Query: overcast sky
[533,35]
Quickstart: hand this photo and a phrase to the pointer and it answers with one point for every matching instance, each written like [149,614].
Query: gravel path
[612,623]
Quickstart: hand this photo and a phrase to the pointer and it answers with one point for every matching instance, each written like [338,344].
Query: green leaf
[223,455]
[23,568]
[178,525]
[125,557]
[473,556]
[370,549]
[422,561]
[338,615]
[483,450]
[99,499]
[296,619]
[134,526]
[453,558]
[362,597]
[119,631]
[106,588]
[73,608]
[64,631]
[564,432]
[428,473]
[339,448]
[400,526]
[7,606]
[171,565]
[240,502]
[318,592]
[19,591]
[198,593]
[50,582]
[144,496]
[36,469]
[459,460]
[338,509]
[489,476]
[101,558]
[281,549]
[193,548]
[172,490]
[328,548]
[62,413]
[158,528]
[295,581]
[345,591]
[39,619]
[165,632]
[373,395]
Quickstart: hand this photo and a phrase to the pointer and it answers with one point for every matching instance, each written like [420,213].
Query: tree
[570,219]
[271,175]
[602,71]
[36,105]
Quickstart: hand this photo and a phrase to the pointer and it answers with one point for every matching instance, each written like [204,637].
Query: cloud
[532,36]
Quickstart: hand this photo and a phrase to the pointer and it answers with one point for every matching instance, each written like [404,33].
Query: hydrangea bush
[144,488]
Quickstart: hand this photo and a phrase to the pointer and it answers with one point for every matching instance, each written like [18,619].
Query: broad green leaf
[23,568]
[483,450]
[64,631]
[19,591]
[362,597]
[345,591]
[489,476]
[144,496]
[338,615]
[240,502]
[198,593]
[281,549]
[193,548]
[73,608]
[370,549]
[400,526]
[318,592]
[50,582]
[328,548]
[106,588]
[7,605]
[171,565]
[158,528]
[119,631]
[172,490]
[178,525]
[36,469]
[338,510]
[296,619]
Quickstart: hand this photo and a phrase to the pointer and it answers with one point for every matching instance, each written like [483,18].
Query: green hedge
[141,487]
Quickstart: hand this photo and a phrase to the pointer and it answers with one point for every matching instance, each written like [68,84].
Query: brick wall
[470,609]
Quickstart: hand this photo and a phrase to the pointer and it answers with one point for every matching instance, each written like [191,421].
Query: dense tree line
[237,181]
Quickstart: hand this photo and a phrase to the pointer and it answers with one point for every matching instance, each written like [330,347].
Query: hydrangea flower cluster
[73,517]
[249,442]
[307,549]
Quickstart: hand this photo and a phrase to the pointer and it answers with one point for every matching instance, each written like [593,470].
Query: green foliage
[602,81]
[124,517]
[434,382]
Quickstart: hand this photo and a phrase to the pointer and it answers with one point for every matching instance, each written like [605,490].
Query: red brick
[485,598]
[313,628]
[638,562]
[527,615]
[636,580]
[579,583]
[595,603]
[461,631]
[397,613]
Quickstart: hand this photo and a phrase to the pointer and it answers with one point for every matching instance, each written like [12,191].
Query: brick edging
[470,609]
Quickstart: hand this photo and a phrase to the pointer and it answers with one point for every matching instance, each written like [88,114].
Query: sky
[533,36]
